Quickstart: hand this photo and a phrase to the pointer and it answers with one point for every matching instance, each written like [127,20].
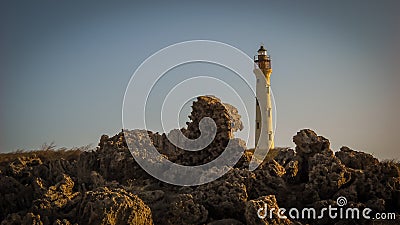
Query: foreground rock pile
[107,186]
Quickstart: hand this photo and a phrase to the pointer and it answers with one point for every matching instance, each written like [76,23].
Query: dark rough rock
[28,218]
[14,196]
[185,210]
[223,199]
[225,222]
[309,143]
[268,180]
[355,159]
[326,174]
[284,156]
[107,186]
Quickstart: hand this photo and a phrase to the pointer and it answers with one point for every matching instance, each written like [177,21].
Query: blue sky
[64,66]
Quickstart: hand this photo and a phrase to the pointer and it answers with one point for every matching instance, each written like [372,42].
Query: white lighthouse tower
[264,135]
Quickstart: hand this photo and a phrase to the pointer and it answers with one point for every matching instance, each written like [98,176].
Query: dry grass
[47,152]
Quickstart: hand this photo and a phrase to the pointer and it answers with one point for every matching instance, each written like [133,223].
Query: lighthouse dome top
[262,50]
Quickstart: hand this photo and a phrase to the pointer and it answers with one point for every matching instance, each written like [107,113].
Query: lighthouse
[264,135]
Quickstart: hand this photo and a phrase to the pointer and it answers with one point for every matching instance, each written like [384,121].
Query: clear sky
[64,65]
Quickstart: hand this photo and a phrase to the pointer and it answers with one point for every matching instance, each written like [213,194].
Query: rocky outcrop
[355,159]
[227,121]
[113,206]
[107,186]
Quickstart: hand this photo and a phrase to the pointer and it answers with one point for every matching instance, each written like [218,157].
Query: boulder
[113,206]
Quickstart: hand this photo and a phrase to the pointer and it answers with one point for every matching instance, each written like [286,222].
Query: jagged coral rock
[355,159]
[378,181]
[268,180]
[58,202]
[326,175]
[223,198]
[184,210]
[22,166]
[284,155]
[106,206]
[309,143]
[227,121]
[115,160]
